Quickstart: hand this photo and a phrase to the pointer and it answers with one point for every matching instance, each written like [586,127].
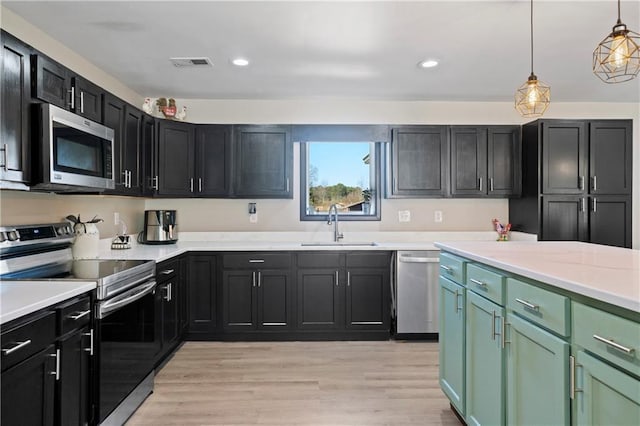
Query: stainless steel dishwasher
[416,293]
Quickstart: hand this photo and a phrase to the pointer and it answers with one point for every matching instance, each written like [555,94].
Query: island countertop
[609,274]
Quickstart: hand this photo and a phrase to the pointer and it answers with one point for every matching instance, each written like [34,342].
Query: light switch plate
[253,218]
[404,216]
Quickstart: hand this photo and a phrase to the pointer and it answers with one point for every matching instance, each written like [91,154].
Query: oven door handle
[131,296]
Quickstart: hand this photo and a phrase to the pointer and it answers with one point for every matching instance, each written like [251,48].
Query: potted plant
[366,204]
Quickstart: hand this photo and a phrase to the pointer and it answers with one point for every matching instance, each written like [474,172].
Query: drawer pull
[19,345]
[479,283]
[528,305]
[446,269]
[256,260]
[167,271]
[618,346]
[79,315]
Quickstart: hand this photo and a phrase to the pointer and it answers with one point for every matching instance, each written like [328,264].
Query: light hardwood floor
[299,383]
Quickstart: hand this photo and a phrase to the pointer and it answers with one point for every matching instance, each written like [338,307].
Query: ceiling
[340,49]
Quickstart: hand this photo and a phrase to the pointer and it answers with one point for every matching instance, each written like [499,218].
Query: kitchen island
[540,332]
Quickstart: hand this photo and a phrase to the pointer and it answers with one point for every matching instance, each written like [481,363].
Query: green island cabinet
[514,351]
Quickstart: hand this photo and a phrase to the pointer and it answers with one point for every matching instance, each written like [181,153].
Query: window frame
[376,185]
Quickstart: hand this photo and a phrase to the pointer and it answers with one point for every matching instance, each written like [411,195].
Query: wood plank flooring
[299,383]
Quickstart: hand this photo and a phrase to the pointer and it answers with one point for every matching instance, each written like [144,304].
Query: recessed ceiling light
[429,63]
[240,62]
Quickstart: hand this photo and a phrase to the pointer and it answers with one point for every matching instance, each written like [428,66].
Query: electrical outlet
[116,218]
[253,218]
[437,216]
[252,208]
[404,216]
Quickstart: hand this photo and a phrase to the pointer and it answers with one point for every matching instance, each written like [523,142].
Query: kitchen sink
[330,244]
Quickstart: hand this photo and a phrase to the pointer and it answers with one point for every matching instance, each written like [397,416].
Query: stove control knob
[62,230]
[12,235]
[3,237]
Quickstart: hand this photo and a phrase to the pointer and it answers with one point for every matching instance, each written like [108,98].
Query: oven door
[128,341]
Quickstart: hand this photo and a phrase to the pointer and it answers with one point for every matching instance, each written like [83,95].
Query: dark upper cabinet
[468,161]
[130,150]
[87,98]
[51,81]
[15,131]
[149,156]
[176,148]
[57,85]
[263,161]
[503,161]
[610,157]
[589,161]
[564,156]
[113,117]
[202,281]
[418,161]
[213,160]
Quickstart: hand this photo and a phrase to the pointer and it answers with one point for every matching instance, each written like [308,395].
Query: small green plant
[366,195]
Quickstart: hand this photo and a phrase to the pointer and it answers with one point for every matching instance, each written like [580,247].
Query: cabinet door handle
[156,183]
[528,305]
[82,102]
[90,348]
[573,365]
[447,269]
[259,278]
[457,305]
[503,332]
[168,289]
[72,101]
[191,184]
[348,279]
[595,183]
[490,184]
[57,357]
[582,205]
[595,205]
[167,271]
[493,325]
[79,315]
[287,185]
[478,283]
[480,183]
[337,279]
[17,347]
[253,278]
[581,183]
[200,184]
[618,346]
[256,260]
[5,149]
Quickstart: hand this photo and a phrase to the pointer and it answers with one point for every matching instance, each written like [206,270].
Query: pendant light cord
[619,21]
[532,34]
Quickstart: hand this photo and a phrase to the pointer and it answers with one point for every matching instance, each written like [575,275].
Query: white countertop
[609,274]
[19,298]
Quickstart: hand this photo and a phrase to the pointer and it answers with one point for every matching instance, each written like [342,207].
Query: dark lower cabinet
[367,299]
[74,384]
[238,304]
[202,281]
[319,299]
[168,300]
[28,390]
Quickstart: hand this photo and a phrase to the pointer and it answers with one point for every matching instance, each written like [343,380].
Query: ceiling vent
[191,62]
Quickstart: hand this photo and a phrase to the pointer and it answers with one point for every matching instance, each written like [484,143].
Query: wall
[212,215]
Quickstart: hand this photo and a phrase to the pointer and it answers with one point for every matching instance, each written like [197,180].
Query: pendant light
[617,57]
[533,97]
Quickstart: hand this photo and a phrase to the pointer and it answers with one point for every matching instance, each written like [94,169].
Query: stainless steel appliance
[73,153]
[160,227]
[416,293]
[127,332]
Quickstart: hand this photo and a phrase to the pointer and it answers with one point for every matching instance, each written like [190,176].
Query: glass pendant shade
[617,57]
[533,97]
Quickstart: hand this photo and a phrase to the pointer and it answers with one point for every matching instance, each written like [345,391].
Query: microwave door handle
[117,302]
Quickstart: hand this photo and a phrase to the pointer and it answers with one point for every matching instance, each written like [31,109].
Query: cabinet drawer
[74,314]
[452,267]
[609,336]
[485,282]
[27,339]
[167,269]
[368,260]
[550,310]
[319,260]
[257,260]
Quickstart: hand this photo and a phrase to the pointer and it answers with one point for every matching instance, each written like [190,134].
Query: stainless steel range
[128,338]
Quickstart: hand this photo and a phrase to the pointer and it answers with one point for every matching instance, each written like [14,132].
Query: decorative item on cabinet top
[166,106]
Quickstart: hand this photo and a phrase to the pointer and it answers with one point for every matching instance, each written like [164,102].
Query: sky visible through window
[339,163]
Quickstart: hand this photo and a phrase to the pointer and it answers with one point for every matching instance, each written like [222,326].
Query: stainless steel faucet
[337,236]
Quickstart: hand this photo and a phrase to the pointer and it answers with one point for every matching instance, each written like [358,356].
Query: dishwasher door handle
[411,259]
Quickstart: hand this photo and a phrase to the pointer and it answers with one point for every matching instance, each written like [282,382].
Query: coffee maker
[160,227]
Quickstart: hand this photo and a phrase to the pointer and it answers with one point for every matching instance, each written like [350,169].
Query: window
[341,173]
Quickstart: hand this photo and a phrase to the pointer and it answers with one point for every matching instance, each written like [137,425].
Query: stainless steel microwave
[73,154]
